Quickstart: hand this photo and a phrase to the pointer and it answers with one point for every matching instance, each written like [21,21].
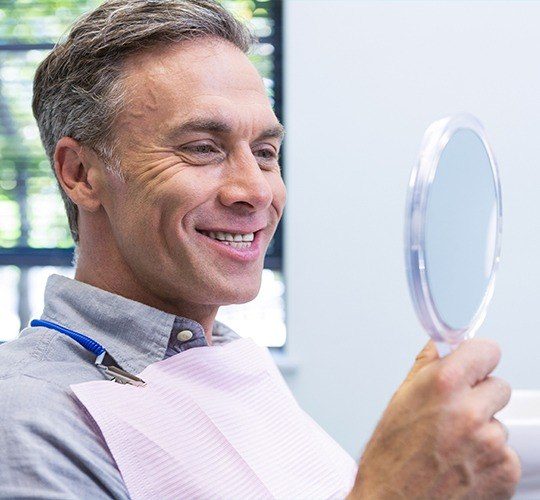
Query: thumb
[426,356]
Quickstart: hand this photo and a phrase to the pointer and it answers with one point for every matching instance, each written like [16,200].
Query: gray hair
[78,88]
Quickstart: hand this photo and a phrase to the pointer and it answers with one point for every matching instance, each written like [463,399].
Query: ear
[77,176]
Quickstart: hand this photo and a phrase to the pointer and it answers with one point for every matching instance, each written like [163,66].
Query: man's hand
[437,437]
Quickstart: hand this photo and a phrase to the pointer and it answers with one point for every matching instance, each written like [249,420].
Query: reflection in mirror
[461,228]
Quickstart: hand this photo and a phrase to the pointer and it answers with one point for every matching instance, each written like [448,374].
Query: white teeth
[235,244]
[237,240]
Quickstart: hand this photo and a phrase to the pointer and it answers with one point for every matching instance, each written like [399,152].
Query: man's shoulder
[36,371]
[50,446]
[29,401]
[17,353]
[42,356]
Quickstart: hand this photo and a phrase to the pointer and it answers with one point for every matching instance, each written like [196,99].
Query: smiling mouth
[235,240]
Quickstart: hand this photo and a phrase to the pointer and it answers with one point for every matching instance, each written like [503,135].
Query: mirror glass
[460,230]
[453,229]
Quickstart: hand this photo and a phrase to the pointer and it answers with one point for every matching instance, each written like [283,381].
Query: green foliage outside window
[31,210]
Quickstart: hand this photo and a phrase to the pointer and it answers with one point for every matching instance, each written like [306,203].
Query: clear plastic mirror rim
[434,141]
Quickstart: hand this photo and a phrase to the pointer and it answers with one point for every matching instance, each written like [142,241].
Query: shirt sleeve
[50,447]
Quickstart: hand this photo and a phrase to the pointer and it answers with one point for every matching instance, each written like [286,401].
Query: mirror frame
[435,139]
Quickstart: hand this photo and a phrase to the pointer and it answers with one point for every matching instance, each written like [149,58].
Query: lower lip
[248,254]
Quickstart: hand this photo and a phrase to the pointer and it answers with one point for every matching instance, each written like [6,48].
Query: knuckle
[447,378]
[471,419]
[505,385]
[501,386]
[502,429]
[512,466]
[501,479]
[508,474]
[494,441]
[489,345]
[505,388]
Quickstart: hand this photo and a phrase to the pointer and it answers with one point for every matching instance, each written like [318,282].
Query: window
[34,234]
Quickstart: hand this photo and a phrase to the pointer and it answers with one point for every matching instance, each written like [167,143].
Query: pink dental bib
[216,422]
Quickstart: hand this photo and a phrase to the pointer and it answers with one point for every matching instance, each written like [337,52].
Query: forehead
[192,78]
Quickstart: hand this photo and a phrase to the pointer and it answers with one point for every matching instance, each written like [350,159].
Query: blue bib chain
[88,343]
[117,374]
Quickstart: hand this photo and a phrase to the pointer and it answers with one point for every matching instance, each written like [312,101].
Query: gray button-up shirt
[49,446]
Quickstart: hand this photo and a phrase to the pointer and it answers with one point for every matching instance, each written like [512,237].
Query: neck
[102,266]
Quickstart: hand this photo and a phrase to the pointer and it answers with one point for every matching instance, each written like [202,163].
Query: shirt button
[184,335]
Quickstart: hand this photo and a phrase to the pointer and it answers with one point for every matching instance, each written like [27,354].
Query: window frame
[25,257]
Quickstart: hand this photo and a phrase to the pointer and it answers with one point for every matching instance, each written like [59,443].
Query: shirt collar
[133,333]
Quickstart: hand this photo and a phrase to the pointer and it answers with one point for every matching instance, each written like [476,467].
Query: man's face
[199,147]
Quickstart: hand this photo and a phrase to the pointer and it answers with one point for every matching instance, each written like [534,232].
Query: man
[165,147]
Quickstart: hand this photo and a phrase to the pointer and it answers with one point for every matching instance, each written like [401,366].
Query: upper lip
[230,230]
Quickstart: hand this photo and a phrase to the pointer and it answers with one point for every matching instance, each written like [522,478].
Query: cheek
[181,203]
[137,217]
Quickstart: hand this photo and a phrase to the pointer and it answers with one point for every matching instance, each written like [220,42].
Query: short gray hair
[78,88]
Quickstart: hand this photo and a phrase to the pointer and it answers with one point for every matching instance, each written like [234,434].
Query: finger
[426,356]
[476,358]
[506,474]
[513,465]
[491,445]
[501,478]
[491,395]
[503,427]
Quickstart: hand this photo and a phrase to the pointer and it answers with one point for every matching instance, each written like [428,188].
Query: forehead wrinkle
[145,96]
[146,104]
[152,96]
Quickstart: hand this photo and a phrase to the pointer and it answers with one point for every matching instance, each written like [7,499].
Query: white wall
[363,81]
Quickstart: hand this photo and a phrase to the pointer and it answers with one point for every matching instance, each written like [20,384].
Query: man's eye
[268,154]
[202,148]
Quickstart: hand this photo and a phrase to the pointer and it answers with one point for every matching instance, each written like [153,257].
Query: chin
[240,294]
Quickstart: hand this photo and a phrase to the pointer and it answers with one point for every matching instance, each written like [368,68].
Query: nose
[245,185]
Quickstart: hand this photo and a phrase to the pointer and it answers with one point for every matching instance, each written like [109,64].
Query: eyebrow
[219,127]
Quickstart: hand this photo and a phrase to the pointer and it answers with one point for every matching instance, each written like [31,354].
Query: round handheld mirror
[453,228]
